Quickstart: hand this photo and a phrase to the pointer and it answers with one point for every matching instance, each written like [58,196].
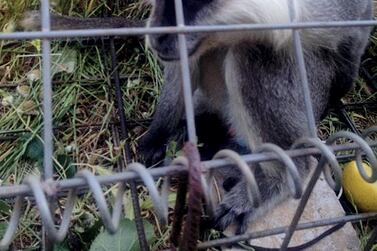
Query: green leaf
[67,163]
[147,204]
[125,239]
[34,150]
[3,228]
[65,61]
[90,233]
[4,207]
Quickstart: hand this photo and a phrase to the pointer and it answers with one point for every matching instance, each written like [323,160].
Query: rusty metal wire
[201,173]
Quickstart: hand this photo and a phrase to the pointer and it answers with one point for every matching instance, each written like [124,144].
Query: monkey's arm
[166,119]
[32,21]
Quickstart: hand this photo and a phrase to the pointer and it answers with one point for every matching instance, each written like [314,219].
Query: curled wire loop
[252,188]
[13,223]
[363,148]
[160,202]
[293,176]
[328,160]
[55,234]
[111,222]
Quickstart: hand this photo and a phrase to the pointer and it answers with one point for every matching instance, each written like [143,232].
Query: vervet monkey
[251,80]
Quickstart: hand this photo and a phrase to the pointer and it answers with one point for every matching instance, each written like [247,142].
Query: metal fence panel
[135,172]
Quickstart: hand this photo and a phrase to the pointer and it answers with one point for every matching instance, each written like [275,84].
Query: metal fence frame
[43,191]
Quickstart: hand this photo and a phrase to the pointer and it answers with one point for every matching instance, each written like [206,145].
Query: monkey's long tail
[32,21]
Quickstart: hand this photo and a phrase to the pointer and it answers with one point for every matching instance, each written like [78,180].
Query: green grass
[83,111]
[83,95]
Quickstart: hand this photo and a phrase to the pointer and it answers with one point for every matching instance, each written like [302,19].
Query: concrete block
[323,204]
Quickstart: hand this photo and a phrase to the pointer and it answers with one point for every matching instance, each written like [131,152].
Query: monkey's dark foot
[235,207]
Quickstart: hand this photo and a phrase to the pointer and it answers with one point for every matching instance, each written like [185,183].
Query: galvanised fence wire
[188,166]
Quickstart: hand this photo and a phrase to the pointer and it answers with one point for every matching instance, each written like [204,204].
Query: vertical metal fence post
[297,44]
[126,153]
[47,109]
[191,229]
[299,53]
[186,78]
[47,94]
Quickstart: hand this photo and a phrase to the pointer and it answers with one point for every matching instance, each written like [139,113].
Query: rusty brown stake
[179,211]
[195,194]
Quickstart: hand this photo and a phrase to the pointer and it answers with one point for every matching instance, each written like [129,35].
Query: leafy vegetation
[83,111]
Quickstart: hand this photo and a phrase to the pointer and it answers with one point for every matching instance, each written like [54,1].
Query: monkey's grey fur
[251,80]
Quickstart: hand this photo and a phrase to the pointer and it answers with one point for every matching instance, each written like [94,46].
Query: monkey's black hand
[152,148]
[154,144]
[235,208]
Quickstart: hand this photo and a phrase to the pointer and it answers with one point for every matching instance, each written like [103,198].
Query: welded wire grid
[44,190]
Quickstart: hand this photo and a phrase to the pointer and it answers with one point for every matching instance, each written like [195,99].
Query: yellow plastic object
[357,190]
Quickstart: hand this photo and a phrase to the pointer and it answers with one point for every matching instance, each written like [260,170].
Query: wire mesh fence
[45,191]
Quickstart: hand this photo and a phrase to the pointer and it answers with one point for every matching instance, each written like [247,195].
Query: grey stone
[323,204]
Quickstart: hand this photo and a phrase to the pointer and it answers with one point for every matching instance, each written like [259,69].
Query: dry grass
[83,109]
